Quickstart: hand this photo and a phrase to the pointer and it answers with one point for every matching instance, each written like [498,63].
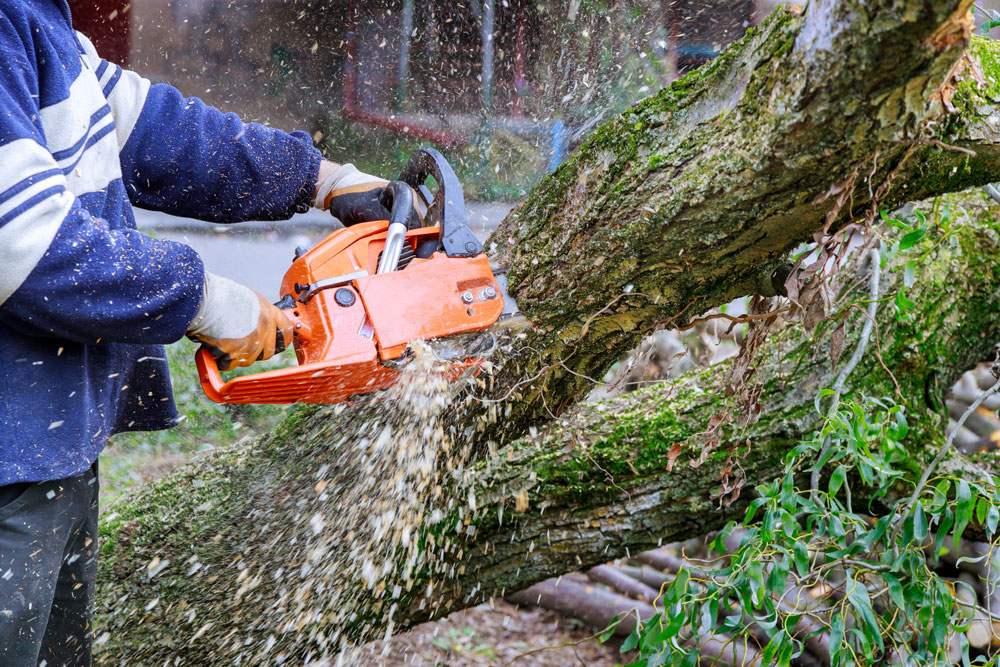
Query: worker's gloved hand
[353,196]
[238,325]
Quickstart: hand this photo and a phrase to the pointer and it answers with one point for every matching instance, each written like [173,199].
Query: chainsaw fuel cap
[344,297]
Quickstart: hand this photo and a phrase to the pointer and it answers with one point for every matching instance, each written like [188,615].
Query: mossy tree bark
[689,199]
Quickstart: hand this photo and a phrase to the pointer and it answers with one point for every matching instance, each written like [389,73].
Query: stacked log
[629,591]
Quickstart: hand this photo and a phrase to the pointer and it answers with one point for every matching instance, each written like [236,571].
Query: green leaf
[789,525]
[837,479]
[992,516]
[963,510]
[719,544]
[778,576]
[709,614]
[895,590]
[909,271]
[981,509]
[945,522]
[912,239]
[899,432]
[919,522]
[775,649]
[681,581]
[940,627]
[836,633]
[755,576]
[607,633]
[903,304]
[631,641]
[801,556]
[668,632]
[857,595]
[751,511]
[788,494]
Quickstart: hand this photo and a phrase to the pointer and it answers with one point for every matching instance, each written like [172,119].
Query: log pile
[615,596]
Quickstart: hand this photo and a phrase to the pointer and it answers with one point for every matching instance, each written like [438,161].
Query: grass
[134,457]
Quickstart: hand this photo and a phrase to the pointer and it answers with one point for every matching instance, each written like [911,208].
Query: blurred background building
[507,86]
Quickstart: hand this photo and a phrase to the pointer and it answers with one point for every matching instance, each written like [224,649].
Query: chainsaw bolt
[467,298]
[488,294]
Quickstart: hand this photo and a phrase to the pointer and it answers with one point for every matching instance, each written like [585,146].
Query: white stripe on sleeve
[127,96]
[68,122]
[27,226]
[90,51]
[127,99]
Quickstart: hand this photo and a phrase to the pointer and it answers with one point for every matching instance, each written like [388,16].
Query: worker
[86,301]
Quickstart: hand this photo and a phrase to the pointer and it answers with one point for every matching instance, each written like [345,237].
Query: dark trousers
[48,568]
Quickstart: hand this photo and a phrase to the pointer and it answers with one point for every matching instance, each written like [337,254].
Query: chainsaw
[362,295]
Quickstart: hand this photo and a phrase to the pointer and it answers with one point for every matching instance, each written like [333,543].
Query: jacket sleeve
[184,157]
[63,271]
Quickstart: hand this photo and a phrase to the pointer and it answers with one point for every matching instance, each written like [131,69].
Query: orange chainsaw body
[341,348]
[349,319]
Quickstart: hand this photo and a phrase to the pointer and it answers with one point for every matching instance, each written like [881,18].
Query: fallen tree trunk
[248,568]
[695,195]
[687,200]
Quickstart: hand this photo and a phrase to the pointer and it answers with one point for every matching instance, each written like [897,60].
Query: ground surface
[497,635]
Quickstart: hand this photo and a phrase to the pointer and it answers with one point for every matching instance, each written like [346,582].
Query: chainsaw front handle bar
[398,198]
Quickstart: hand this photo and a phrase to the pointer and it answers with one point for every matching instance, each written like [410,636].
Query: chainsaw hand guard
[447,208]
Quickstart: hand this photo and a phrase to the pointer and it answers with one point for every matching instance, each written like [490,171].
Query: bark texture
[694,196]
[684,202]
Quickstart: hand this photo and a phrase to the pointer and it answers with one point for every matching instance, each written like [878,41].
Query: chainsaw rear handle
[208,362]
[448,205]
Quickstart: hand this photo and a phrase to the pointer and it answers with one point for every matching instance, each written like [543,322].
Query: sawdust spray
[361,543]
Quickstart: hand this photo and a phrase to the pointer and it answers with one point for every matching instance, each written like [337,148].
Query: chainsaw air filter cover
[350,319]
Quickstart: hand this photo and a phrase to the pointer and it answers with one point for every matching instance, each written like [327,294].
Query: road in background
[257,254]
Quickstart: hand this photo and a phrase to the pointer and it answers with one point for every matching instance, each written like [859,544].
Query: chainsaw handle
[209,374]
[399,198]
[208,366]
[448,205]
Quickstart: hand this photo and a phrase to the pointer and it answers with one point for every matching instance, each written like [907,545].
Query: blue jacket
[86,301]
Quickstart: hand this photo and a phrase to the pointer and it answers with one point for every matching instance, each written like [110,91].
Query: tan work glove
[353,196]
[238,325]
